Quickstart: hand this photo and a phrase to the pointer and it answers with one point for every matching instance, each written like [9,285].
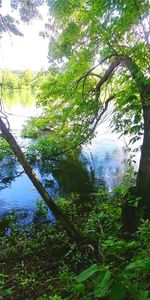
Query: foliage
[45,148]
[105,283]
[96,57]
[5,149]
[11,80]
[25,77]
[28,10]
[89,38]
[43,263]
[35,126]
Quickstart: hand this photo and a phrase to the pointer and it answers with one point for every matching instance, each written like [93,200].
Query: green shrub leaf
[103,284]
[88,273]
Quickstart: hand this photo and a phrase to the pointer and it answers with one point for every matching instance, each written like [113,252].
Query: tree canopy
[99,52]
[28,10]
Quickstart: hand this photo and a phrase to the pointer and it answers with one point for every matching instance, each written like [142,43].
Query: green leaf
[6,292]
[103,284]
[79,287]
[143,295]
[140,263]
[88,273]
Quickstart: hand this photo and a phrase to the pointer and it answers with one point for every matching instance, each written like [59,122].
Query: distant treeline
[21,79]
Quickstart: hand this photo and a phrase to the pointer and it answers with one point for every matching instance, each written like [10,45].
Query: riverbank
[41,262]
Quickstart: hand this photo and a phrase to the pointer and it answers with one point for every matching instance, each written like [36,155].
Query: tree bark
[73,233]
[143,178]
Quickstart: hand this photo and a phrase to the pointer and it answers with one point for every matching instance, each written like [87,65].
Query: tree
[99,52]
[25,77]
[28,10]
[9,79]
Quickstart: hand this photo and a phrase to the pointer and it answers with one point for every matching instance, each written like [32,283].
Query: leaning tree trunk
[73,233]
[143,178]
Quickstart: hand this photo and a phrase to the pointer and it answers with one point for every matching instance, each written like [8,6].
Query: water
[102,163]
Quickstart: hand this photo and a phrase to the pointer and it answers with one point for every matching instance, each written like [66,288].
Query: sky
[28,52]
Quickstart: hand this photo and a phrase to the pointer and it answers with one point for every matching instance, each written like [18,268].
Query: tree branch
[97,120]
[89,72]
[107,74]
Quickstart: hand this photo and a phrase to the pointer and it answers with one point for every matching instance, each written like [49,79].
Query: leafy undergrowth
[40,262]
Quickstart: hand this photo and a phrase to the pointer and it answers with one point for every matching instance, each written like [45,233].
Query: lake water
[102,163]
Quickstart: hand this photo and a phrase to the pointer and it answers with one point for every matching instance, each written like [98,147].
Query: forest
[88,236]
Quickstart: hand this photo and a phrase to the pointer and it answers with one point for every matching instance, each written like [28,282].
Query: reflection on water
[101,164]
[8,172]
[19,105]
[107,156]
[24,97]
[69,176]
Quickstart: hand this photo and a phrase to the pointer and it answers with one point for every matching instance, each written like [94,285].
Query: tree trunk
[73,233]
[143,178]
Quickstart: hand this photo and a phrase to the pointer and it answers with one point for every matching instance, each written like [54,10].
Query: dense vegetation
[40,262]
[12,80]
[98,53]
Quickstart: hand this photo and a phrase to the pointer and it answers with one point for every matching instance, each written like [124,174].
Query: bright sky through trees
[27,52]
